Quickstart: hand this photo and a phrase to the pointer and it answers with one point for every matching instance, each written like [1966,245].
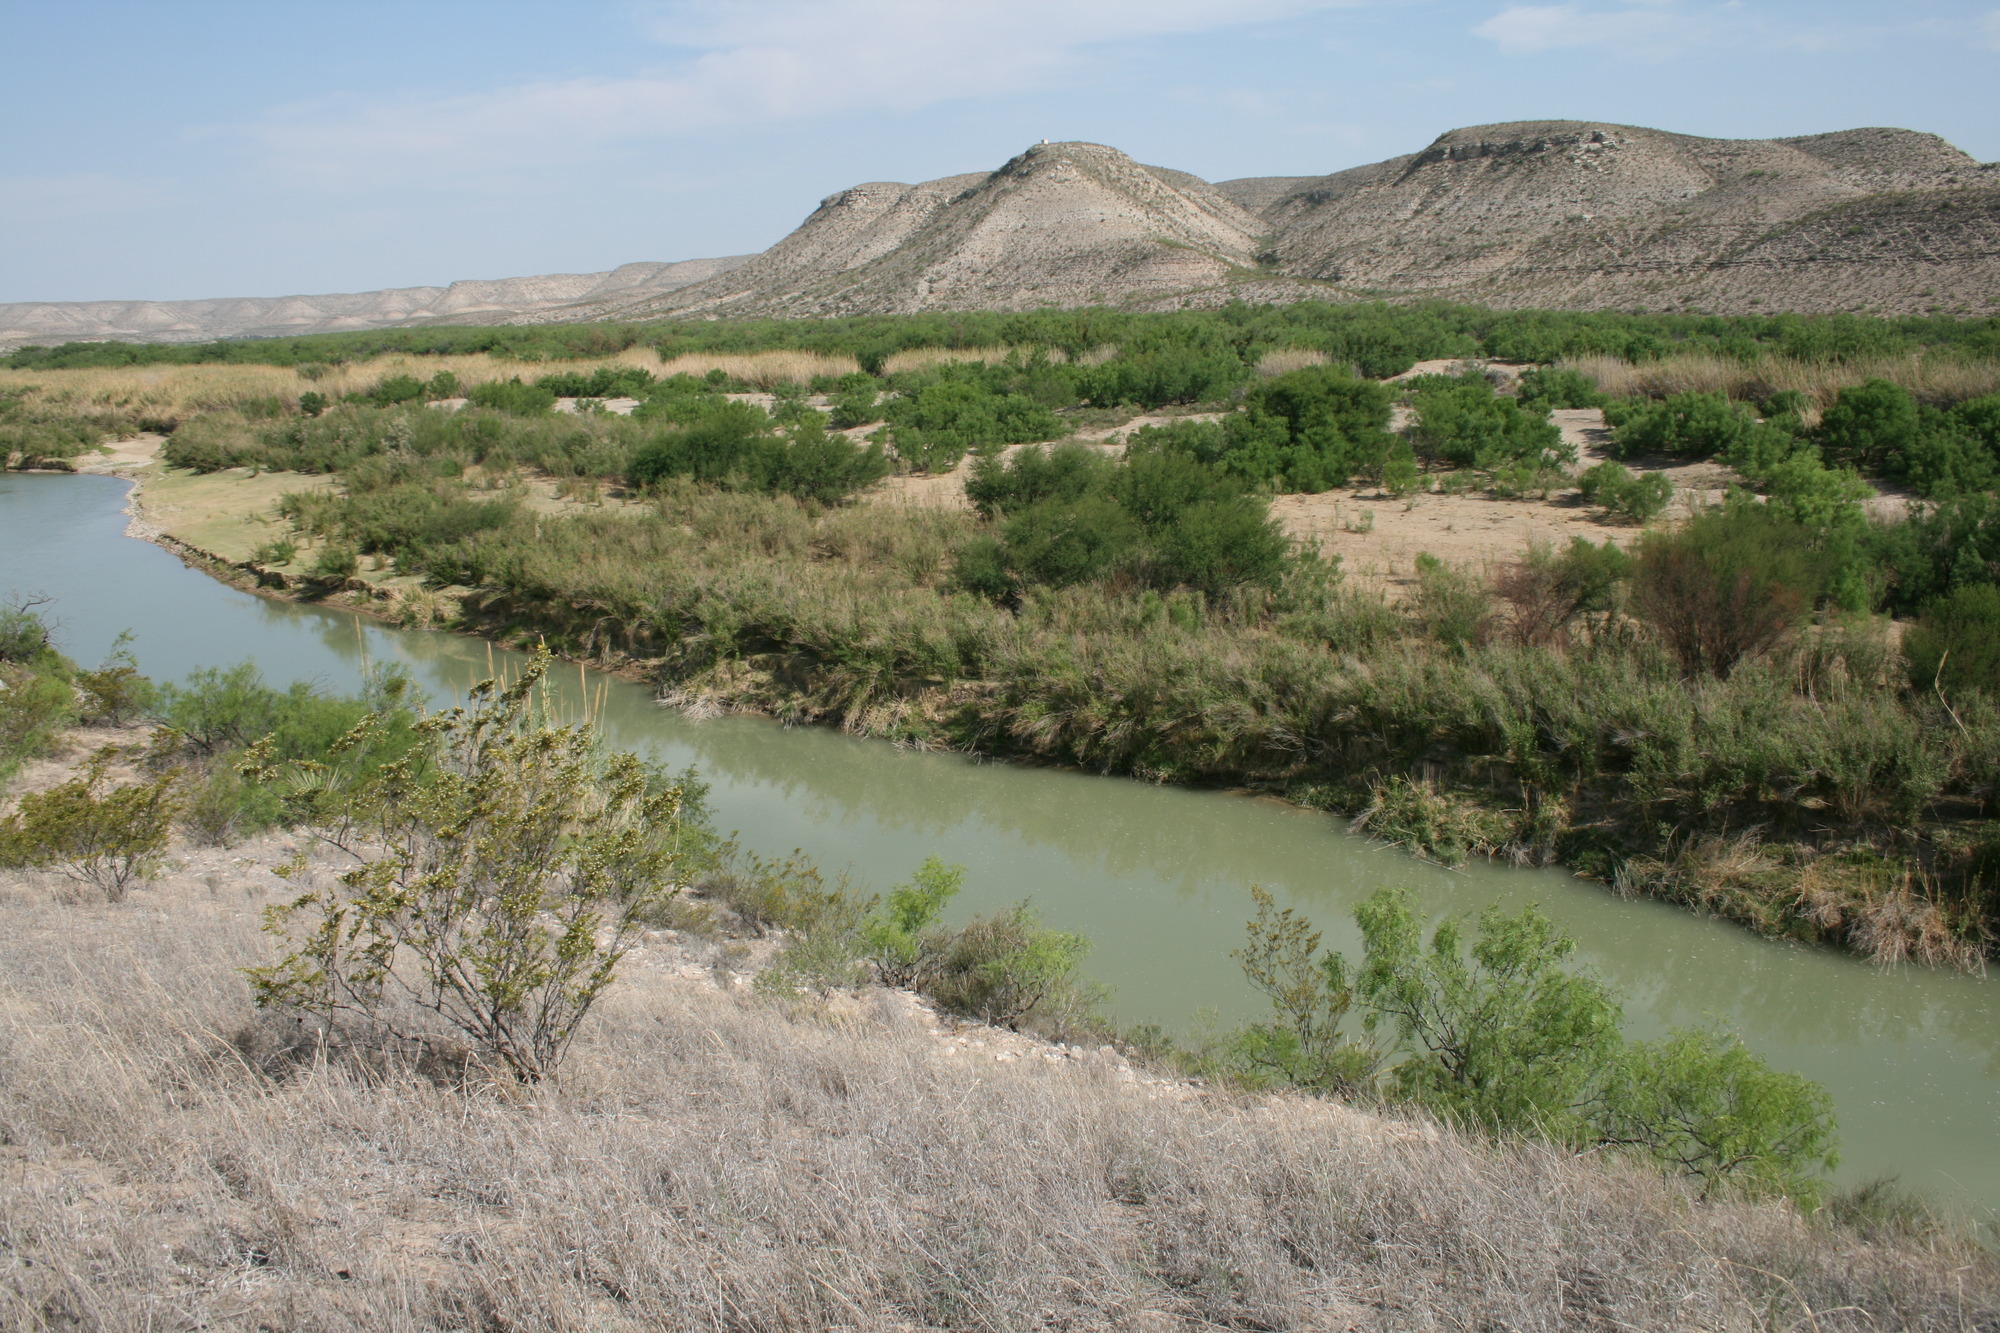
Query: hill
[282,316]
[1061,224]
[1581,215]
[1556,214]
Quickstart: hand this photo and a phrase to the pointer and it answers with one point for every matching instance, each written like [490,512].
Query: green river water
[1156,877]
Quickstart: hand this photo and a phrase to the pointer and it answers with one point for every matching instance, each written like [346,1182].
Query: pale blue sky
[265,147]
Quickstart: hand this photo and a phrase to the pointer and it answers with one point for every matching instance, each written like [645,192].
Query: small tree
[1731,584]
[1507,1037]
[895,934]
[108,838]
[501,870]
[1311,993]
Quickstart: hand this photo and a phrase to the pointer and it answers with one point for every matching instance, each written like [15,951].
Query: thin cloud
[1659,29]
[1531,29]
[748,63]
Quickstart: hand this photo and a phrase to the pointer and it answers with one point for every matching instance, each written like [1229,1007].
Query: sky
[270,147]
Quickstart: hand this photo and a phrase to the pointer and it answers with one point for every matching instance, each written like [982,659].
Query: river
[1157,877]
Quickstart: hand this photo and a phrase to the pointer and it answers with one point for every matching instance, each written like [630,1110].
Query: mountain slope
[1061,224]
[282,316]
[1570,213]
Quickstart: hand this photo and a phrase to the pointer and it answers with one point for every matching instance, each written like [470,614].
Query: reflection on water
[1157,877]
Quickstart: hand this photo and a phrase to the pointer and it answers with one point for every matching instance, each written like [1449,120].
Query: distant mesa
[1561,214]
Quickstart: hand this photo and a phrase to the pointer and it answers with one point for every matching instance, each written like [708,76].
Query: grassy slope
[715,1161]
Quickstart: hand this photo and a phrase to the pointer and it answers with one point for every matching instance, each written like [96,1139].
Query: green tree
[895,934]
[1700,1103]
[1506,1037]
[501,869]
[1870,426]
[1311,993]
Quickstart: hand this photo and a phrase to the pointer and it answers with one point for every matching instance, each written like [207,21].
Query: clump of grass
[1285,359]
[1933,378]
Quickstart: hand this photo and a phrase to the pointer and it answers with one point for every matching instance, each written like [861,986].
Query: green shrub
[1546,592]
[938,423]
[1005,969]
[1870,426]
[1955,644]
[24,638]
[108,837]
[1730,584]
[1544,388]
[1058,543]
[1400,473]
[312,402]
[1002,485]
[1504,1036]
[336,563]
[511,396]
[1639,499]
[1308,430]
[1461,421]
[1692,425]
[734,445]
[854,403]
[397,389]
[521,861]
[1454,605]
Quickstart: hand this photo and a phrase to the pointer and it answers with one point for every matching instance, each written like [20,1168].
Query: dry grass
[716,1163]
[929,358]
[766,370]
[1286,359]
[174,391]
[1934,379]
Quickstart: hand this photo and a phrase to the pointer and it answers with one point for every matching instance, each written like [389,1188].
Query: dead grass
[1291,358]
[170,392]
[714,1162]
[1935,379]
[929,358]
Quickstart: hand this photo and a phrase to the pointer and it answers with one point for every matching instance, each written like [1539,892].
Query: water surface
[1156,877]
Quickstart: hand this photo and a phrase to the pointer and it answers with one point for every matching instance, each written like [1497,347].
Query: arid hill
[1580,215]
[1565,214]
[1562,214]
[474,302]
[1061,224]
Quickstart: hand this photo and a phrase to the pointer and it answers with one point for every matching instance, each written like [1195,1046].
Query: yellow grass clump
[175,391]
[929,358]
[1940,379]
[1286,359]
[764,369]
